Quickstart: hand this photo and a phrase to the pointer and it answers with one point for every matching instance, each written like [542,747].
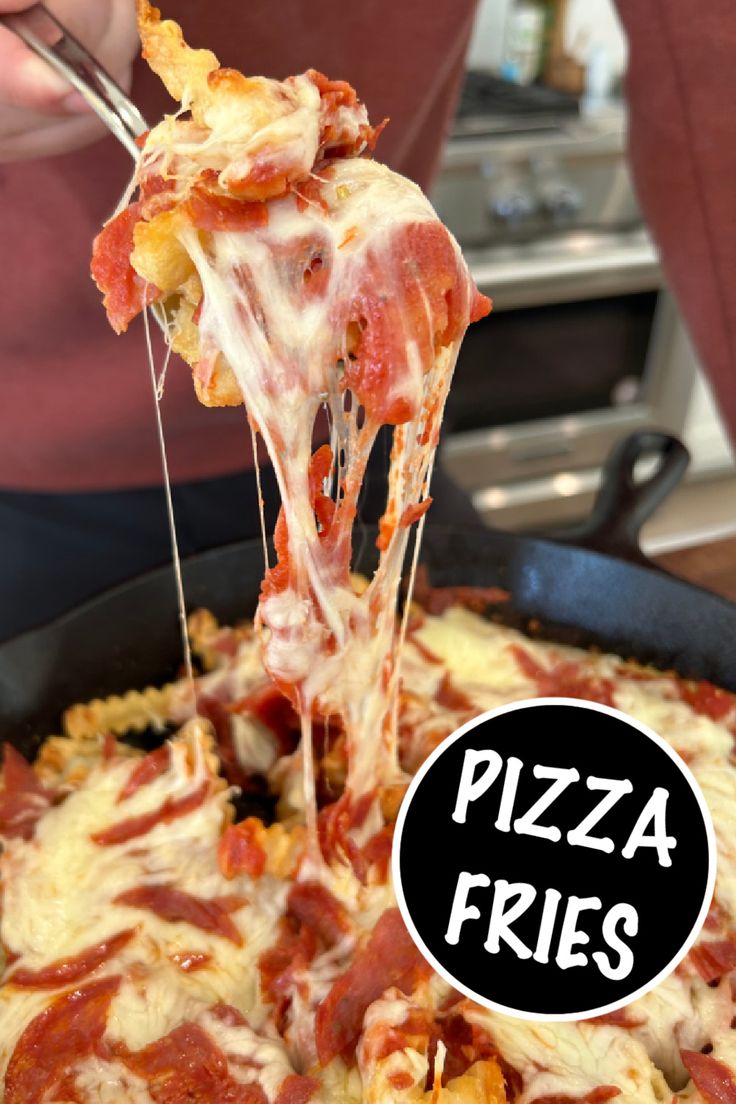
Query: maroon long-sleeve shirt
[681,88]
[75,401]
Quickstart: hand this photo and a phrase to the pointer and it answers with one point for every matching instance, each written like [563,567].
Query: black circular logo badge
[554,859]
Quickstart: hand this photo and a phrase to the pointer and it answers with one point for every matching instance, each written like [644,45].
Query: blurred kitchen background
[584,343]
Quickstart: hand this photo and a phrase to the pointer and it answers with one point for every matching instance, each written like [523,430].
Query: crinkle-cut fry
[66,761]
[202,627]
[132,712]
[206,636]
[184,71]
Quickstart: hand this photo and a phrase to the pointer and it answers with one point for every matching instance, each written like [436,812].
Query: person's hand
[40,114]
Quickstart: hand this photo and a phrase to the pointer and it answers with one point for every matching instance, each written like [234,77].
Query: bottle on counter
[524,41]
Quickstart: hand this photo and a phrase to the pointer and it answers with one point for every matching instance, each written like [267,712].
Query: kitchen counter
[712,565]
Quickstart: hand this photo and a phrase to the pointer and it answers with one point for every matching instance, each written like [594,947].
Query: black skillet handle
[623,505]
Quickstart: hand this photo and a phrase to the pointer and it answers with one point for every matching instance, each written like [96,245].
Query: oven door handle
[527,280]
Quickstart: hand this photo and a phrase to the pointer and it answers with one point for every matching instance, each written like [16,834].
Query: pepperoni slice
[705,698]
[449,697]
[68,1030]
[172,809]
[431,304]
[68,971]
[713,958]
[145,771]
[415,512]
[388,958]
[211,914]
[293,950]
[563,679]
[436,600]
[125,293]
[240,851]
[713,1079]
[23,800]
[317,909]
[211,211]
[296,1089]
[187,1066]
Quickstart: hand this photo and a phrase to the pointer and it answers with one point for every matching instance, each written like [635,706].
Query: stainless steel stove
[584,343]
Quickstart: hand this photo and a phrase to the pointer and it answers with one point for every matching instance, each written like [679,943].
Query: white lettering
[471,788]
[570,937]
[526,825]
[552,900]
[629,917]
[501,920]
[655,810]
[617,788]
[508,794]
[461,910]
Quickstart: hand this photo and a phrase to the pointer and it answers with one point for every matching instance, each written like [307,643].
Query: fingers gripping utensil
[46,36]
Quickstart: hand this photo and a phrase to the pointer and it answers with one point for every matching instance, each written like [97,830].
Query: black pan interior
[128,638]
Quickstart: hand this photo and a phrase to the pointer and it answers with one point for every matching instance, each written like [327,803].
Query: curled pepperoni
[713,958]
[389,958]
[68,971]
[431,303]
[211,914]
[146,770]
[211,211]
[239,849]
[279,966]
[712,1078]
[125,292]
[187,1067]
[23,799]
[68,1030]
[172,809]
[296,1089]
[315,907]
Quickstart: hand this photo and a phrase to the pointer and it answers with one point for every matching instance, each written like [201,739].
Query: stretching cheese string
[187,652]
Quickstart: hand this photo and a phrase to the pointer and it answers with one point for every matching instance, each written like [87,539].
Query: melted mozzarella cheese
[717,780]
[59,889]
[572,1059]
[283,347]
[59,900]
[110,1083]
[680,1013]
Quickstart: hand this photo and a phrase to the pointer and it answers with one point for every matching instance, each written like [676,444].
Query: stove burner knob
[561,201]
[512,207]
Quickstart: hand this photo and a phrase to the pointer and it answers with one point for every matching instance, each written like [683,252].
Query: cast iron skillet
[576,592]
